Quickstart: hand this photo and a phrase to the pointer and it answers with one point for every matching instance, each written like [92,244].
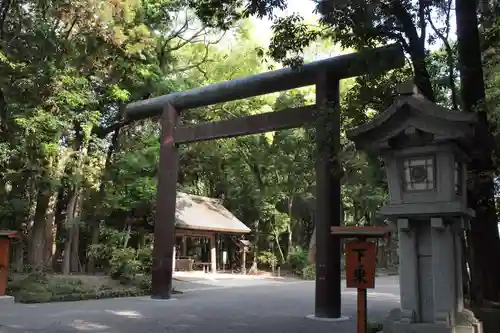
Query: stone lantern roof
[413,120]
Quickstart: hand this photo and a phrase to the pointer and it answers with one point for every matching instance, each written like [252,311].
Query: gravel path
[268,306]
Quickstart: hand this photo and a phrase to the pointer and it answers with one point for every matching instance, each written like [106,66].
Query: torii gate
[326,75]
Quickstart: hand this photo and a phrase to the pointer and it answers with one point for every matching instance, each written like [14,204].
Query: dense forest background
[82,190]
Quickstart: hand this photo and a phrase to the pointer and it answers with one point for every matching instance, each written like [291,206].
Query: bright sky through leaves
[306,8]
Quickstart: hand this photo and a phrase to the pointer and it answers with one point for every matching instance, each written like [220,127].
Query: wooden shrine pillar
[328,198]
[184,246]
[174,255]
[164,227]
[213,253]
[243,260]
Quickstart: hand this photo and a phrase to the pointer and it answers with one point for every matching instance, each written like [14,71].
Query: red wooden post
[4,264]
[361,261]
[361,312]
[5,238]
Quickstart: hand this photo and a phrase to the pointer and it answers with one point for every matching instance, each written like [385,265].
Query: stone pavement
[192,282]
[274,306]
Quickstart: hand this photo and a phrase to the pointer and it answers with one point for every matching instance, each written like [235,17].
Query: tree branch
[421,15]
[70,29]
[203,60]
[415,48]
[102,131]
[180,31]
[191,39]
[449,56]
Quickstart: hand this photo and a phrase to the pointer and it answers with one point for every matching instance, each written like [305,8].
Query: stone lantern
[425,149]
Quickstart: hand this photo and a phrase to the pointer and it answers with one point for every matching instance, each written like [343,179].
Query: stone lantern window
[419,174]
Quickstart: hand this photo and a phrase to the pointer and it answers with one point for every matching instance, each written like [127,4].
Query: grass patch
[373,327]
[43,288]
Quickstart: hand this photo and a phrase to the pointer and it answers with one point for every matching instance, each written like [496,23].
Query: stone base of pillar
[466,322]
[341,318]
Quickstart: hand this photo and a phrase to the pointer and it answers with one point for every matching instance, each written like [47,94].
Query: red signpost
[5,240]
[361,261]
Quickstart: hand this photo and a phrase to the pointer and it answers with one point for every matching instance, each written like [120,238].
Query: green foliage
[268,258]
[309,272]
[145,283]
[373,327]
[291,37]
[109,240]
[120,262]
[41,288]
[145,257]
[297,259]
[123,263]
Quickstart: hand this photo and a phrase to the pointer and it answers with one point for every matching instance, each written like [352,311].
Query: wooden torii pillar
[326,75]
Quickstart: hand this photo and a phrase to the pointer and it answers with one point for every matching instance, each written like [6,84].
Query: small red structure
[5,240]
[361,261]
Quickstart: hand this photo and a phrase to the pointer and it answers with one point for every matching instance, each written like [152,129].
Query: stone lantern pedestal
[425,150]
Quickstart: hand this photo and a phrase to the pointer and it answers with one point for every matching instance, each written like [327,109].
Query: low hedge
[31,296]
[40,288]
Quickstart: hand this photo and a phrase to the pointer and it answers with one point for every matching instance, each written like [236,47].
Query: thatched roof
[207,214]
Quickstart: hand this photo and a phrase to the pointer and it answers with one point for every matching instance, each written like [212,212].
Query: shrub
[145,257]
[120,262]
[145,283]
[39,288]
[297,259]
[124,263]
[268,258]
[109,240]
[309,272]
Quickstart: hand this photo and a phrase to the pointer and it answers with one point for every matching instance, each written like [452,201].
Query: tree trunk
[59,218]
[289,227]
[18,257]
[100,195]
[49,231]
[70,230]
[37,246]
[254,267]
[282,255]
[75,241]
[72,246]
[422,77]
[66,254]
[311,254]
[484,238]
[415,47]
[141,243]
[127,236]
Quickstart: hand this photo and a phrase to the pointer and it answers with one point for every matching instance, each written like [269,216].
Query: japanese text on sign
[361,259]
